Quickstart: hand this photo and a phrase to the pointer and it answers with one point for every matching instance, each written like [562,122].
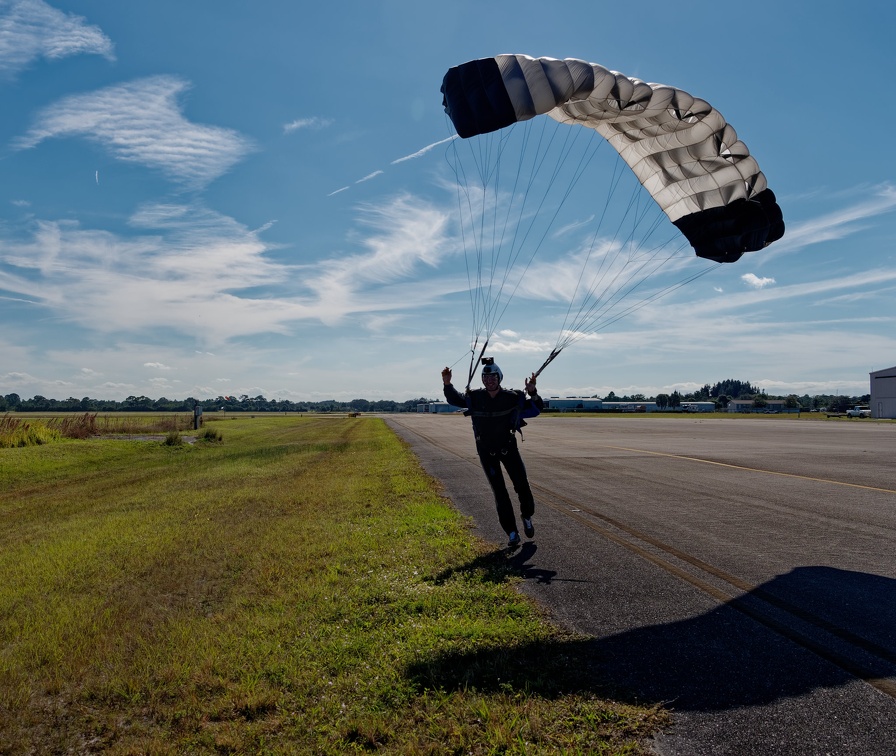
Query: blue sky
[221,198]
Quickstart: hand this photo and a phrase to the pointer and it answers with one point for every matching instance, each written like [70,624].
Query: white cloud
[191,270]
[141,122]
[835,225]
[156,365]
[307,123]
[755,282]
[31,29]
[405,234]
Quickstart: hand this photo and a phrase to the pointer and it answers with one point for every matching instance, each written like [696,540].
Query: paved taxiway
[739,571]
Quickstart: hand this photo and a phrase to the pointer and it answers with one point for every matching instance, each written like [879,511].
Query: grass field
[285,585]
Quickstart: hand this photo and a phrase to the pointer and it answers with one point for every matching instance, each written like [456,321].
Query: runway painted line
[749,469]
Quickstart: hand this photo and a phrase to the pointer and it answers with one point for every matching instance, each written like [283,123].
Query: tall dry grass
[19,431]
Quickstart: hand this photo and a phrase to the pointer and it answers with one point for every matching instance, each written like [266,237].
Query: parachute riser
[547,362]
[474,361]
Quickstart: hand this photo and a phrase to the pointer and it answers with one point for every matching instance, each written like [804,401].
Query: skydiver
[497,414]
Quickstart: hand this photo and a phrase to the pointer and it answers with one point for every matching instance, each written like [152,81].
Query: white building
[883,393]
[698,406]
[438,408]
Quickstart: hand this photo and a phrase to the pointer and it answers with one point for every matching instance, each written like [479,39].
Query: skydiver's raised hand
[446,376]
[530,385]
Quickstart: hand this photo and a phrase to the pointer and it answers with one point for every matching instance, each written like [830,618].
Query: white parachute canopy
[678,147]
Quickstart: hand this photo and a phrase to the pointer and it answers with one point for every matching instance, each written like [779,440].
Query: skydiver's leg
[517,472]
[491,464]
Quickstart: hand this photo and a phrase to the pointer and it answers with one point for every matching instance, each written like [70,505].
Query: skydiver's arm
[452,395]
[533,405]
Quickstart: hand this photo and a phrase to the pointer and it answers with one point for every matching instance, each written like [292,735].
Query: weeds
[211,435]
[173,439]
[37,430]
[15,433]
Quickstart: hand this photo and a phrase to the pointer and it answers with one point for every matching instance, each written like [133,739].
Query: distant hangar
[883,393]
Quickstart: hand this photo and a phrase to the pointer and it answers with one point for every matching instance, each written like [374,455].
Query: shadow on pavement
[719,660]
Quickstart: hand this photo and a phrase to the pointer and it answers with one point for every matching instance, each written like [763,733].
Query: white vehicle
[859,410]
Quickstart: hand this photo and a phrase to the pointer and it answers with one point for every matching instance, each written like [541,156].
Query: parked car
[859,411]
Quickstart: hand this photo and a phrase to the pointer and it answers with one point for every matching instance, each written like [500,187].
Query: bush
[211,435]
[173,439]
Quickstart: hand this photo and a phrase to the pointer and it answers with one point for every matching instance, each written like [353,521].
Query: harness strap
[483,413]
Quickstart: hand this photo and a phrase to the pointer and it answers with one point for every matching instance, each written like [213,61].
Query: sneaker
[528,528]
[514,540]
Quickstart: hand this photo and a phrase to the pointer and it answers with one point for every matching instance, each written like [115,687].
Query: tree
[840,404]
[675,400]
[733,388]
[662,401]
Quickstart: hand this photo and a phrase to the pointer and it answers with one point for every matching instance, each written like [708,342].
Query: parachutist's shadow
[497,566]
[518,560]
[723,659]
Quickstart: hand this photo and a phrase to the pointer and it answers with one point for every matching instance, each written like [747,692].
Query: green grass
[289,585]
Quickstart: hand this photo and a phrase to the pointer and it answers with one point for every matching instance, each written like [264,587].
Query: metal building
[883,393]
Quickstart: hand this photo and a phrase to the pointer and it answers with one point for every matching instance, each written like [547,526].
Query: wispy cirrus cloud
[32,29]
[314,122]
[401,236]
[187,268]
[843,222]
[141,122]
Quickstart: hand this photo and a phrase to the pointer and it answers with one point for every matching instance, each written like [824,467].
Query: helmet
[490,368]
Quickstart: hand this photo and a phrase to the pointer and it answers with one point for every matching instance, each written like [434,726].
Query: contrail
[422,152]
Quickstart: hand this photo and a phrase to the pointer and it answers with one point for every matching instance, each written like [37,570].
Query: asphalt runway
[739,571]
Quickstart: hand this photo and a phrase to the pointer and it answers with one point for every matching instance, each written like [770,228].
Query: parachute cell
[680,148]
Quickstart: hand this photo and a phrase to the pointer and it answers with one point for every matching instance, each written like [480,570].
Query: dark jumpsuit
[495,421]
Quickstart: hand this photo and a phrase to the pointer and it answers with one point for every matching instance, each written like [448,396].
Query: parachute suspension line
[463,195]
[586,155]
[611,190]
[493,222]
[617,278]
[638,305]
[512,219]
[475,197]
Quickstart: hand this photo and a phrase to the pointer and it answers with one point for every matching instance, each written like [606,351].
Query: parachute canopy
[680,148]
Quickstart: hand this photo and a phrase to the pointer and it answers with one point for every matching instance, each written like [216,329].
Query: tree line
[722,393]
[14,403]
